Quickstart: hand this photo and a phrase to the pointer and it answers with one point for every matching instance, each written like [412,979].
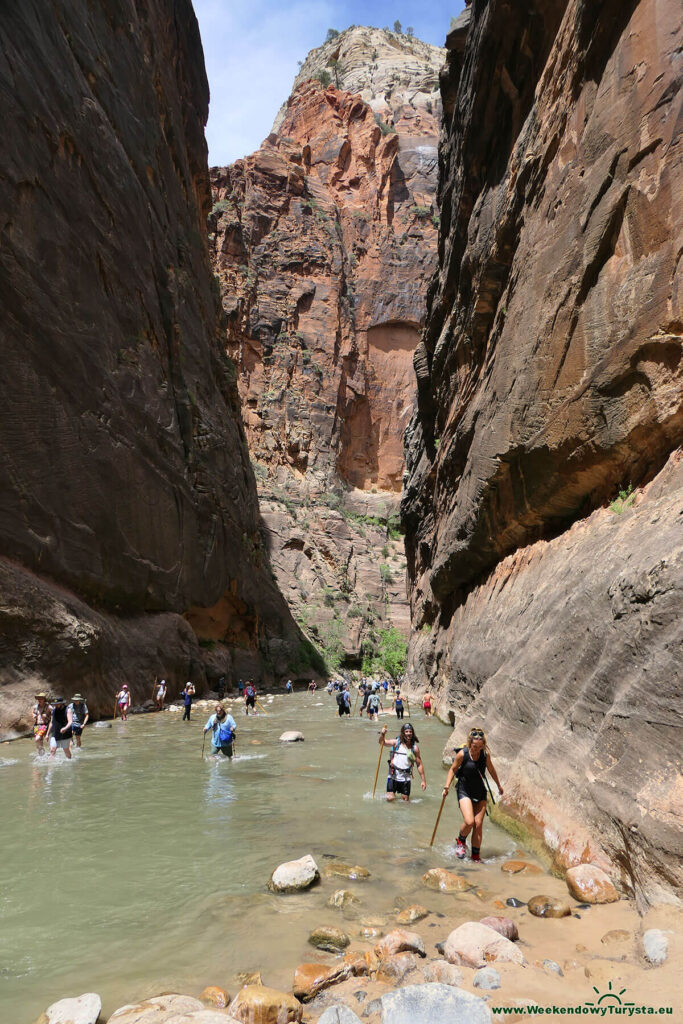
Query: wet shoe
[460,850]
[476,858]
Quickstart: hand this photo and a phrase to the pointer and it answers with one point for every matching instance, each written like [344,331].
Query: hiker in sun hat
[59,731]
[41,720]
[78,715]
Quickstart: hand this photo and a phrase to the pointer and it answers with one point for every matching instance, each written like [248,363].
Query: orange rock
[589,884]
[215,996]
[309,979]
[398,941]
[444,881]
[394,968]
[258,1004]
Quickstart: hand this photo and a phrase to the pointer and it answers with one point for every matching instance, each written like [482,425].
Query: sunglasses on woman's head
[476,733]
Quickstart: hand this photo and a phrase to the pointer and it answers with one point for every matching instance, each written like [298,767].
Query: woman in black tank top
[469,767]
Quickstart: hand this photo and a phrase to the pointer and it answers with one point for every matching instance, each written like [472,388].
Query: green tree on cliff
[398,27]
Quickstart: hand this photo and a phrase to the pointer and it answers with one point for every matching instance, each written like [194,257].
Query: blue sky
[251,49]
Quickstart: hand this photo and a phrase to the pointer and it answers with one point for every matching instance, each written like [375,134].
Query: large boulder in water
[589,884]
[258,1004]
[294,875]
[475,945]
[83,1009]
[329,938]
[292,736]
[444,881]
[426,1004]
[170,1009]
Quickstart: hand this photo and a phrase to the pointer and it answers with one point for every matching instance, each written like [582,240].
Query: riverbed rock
[655,946]
[339,1014]
[84,1009]
[393,969]
[520,867]
[426,1004]
[548,906]
[258,1004]
[292,736]
[329,938]
[443,972]
[342,898]
[353,871]
[294,875]
[103,725]
[309,979]
[370,931]
[616,935]
[215,996]
[474,945]
[415,912]
[486,977]
[443,880]
[170,1009]
[249,978]
[589,883]
[503,925]
[398,941]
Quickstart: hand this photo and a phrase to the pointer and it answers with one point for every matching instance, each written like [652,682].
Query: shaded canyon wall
[545,594]
[127,496]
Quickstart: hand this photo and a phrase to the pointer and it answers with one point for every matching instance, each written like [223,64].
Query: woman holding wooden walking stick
[469,768]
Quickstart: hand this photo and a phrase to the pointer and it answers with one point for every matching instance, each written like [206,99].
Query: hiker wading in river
[405,755]
[224,732]
[41,721]
[469,768]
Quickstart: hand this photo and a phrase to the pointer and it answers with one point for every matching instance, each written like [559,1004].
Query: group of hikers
[60,724]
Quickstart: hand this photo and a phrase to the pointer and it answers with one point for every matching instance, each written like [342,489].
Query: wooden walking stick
[438,819]
[116,704]
[408,706]
[260,705]
[379,761]
[203,742]
[154,687]
[356,700]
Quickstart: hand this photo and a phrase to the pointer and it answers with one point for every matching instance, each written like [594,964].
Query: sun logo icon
[609,998]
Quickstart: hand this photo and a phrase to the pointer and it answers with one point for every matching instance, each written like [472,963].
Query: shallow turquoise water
[138,867]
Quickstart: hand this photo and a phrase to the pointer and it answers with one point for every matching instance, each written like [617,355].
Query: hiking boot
[460,849]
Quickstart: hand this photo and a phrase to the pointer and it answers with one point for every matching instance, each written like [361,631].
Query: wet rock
[257,1004]
[548,906]
[215,996]
[352,871]
[83,1009]
[370,932]
[513,867]
[589,883]
[440,947]
[169,1009]
[426,1004]
[342,898]
[294,875]
[103,725]
[338,1015]
[374,1006]
[512,901]
[655,946]
[552,965]
[442,972]
[249,977]
[309,979]
[393,969]
[442,880]
[475,945]
[616,935]
[334,940]
[503,925]
[399,941]
[292,736]
[486,977]
[413,913]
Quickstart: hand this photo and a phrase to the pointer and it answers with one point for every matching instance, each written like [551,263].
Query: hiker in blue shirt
[224,731]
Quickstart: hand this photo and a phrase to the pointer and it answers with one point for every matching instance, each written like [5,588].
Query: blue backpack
[226,733]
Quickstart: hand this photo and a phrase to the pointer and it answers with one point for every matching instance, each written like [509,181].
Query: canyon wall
[324,241]
[129,507]
[543,498]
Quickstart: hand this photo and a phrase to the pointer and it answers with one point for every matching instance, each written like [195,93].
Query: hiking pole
[116,704]
[438,819]
[203,742]
[379,761]
[408,704]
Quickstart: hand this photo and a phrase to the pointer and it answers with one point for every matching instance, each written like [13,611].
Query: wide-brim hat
[58,700]
[78,696]
[41,694]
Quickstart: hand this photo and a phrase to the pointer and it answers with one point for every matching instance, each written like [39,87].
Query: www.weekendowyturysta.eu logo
[610,1003]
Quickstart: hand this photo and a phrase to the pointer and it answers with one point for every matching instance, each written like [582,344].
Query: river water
[139,868]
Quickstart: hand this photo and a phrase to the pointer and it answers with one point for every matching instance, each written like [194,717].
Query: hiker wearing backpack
[224,732]
[250,697]
[469,768]
[374,704]
[405,755]
[344,702]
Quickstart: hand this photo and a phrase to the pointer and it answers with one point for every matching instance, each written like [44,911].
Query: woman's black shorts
[475,797]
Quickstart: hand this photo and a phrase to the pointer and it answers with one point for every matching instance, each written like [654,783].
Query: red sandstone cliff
[127,494]
[323,243]
[549,379]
